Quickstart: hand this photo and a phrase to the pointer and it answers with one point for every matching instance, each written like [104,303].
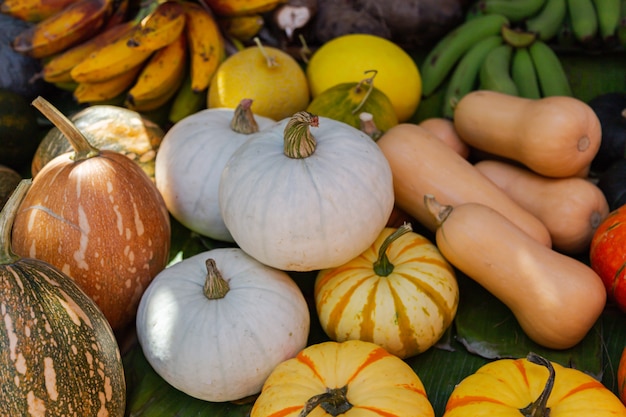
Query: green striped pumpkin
[346,101]
[59,356]
[400,294]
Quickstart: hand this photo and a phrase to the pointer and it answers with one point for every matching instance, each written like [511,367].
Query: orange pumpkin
[531,387]
[351,379]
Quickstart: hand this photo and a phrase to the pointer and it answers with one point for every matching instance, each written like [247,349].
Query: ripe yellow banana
[242,7]
[106,90]
[109,61]
[206,45]
[159,28]
[165,69]
[153,103]
[33,10]
[76,23]
[58,68]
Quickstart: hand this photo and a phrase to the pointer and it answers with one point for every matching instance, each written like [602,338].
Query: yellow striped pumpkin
[58,354]
[400,293]
[531,387]
[347,379]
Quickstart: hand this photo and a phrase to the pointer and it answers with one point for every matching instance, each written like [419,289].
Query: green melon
[346,101]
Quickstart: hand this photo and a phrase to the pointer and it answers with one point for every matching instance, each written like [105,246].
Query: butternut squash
[555,298]
[555,136]
[571,208]
[444,129]
[422,164]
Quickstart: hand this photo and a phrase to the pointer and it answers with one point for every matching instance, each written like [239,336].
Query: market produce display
[299,207]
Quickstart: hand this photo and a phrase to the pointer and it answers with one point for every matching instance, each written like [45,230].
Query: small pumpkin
[612,182]
[191,159]
[97,216]
[349,379]
[214,325]
[106,127]
[611,111]
[302,201]
[533,387]
[58,354]
[400,293]
[346,101]
[607,255]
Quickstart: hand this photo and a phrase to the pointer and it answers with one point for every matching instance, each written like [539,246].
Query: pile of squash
[380,223]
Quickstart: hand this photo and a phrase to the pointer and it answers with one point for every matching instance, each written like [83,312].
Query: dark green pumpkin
[611,111]
[9,178]
[58,355]
[19,133]
[612,182]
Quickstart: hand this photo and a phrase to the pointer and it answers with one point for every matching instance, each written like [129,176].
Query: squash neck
[383,267]
[539,408]
[7,216]
[215,286]
[82,148]
[299,142]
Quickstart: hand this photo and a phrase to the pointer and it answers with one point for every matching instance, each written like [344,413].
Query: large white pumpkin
[221,349]
[190,161]
[311,198]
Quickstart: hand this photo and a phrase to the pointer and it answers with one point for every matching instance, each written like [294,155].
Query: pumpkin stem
[539,407]
[7,215]
[243,120]
[82,148]
[299,141]
[440,211]
[333,401]
[370,86]
[270,60]
[215,286]
[382,266]
[368,126]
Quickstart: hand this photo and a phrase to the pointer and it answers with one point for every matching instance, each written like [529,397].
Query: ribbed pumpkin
[110,128]
[58,354]
[191,159]
[307,193]
[347,379]
[531,387]
[98,217]
[400,294]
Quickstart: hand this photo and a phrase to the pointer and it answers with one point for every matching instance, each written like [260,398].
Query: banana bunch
[169,52]
[588,22]
[486,52]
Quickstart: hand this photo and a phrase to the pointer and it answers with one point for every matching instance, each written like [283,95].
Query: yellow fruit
[270,77]
[347,58]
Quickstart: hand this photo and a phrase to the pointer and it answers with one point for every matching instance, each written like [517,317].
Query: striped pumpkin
[400,294]
[351,379]
[532,387]
[58,354]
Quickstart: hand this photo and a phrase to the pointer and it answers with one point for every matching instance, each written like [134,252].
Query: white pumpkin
[190,161]
[307,193]
[216,324]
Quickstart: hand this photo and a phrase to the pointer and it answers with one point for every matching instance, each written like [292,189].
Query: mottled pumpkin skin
[405,312]
[503,387]
[58,354]
[607,255]
[378,383]
[101,221]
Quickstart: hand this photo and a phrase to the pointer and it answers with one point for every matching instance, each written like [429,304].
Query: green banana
[621,28]
[608,12]
[565,37]
[584,19]
[514,10]
[524,75]
[547,23]
[550,72]
[447,52]
[495,72]
[465,75]
[186,102]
